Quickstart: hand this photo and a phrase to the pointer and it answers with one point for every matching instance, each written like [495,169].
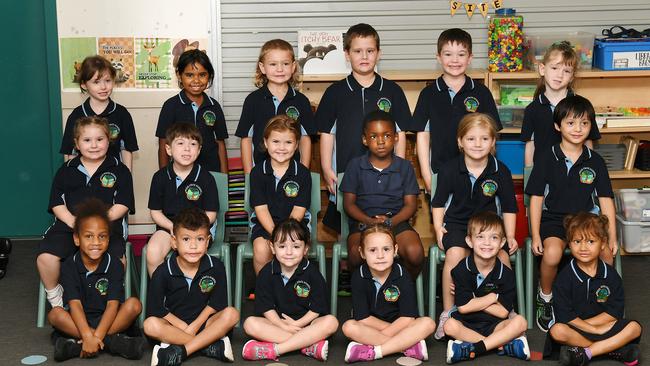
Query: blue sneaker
[517,348]
[459,351]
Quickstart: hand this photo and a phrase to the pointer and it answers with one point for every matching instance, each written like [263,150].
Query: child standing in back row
[97,78]
[195,74]
[276,75]
[557,73]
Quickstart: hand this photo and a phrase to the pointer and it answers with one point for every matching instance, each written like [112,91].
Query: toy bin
[609,55]
[633,204]
[516,94]
[537,44]
[634,235]
[511,153]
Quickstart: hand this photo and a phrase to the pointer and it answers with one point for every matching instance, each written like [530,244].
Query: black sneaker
[131,348]
[573,356]
[545,317]
[171,355]
[66,348]
[220,350]
[628,354]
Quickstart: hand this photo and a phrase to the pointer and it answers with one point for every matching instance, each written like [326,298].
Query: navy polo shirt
[170,194]
[209,119]
[538,125]
[304,291]
[93,289]
[169,291]
[438,112]
[577,295]
[470,283]
[345,104]
[120,123]
[380,192]
[280,194]
[463,195]
[112,184]
[394,299]
[259,107]
[565,190]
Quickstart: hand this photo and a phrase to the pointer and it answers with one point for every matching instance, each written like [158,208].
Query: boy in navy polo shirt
[442,104]
[345,103]
[93,284]
[291,308]
[566,179]
[195,74]
[187,302]
[485,294]
[383,304]
[181,184]
[379,187]
[276,77]
[280,187]
[591,325]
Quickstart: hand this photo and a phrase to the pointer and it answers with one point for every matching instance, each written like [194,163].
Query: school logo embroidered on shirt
[193,192]
[587,175]
[391,294]
[489,188]
[302,289]
[102,286]
[114,131]
[108,180]
[291,189]
[292,112]
[209,117]
[384,104]
[602,294]
[471,104]
[207,284]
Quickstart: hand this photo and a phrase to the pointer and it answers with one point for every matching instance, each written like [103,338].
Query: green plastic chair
[129,276]
[340,251]
[245,250]
[530,260]
[219,247]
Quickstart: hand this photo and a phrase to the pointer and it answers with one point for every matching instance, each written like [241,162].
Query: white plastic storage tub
[633,204]
[634,235]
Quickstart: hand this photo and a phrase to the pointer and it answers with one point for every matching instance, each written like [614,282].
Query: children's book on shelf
[321,52]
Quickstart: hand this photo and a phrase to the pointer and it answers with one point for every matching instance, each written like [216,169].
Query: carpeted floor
[20,338]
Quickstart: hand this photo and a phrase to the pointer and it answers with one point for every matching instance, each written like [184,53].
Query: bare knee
[330,323]
[520,323]
[349,328]
[152,327]
[132,305]
[453,256]
[636,328]
[427,323]
[559,332]
[553,252]
[229,315]
[451,327]
[252,325]
[56,315]
[354,257]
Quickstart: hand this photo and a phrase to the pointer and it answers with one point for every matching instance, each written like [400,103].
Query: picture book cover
[321,52]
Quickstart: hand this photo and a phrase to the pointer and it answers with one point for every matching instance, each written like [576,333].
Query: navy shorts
[484,328]
[552,228]
[258,230]
[58,241]
[397,229]
[552,348]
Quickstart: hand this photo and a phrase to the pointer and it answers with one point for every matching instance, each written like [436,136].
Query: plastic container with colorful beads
[506,41]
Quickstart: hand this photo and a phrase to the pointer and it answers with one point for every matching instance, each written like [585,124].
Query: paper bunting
[470,8]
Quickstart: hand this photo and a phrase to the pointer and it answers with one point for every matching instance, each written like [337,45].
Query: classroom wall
[236,29]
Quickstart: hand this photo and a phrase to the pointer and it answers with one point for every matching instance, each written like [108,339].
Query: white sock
[545,297]
[378,354]
[55,296]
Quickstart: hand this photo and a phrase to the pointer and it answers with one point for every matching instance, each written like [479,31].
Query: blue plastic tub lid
[626,44]
[506,11]
[510,142]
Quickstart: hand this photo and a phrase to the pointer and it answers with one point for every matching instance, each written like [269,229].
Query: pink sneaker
[440,331]
[256,350]
[359,352]
[418,351]
[317,350]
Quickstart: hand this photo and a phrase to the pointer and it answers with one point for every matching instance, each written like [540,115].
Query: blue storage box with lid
[622,55]
[511,153]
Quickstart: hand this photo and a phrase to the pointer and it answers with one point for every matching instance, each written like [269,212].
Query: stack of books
[236,216]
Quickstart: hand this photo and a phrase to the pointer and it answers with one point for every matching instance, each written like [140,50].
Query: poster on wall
[321,52]
[153,63]
[181,45]
[119,51]
[73,51]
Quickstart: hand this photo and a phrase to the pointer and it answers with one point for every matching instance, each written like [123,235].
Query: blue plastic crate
[511,153]
[622,55]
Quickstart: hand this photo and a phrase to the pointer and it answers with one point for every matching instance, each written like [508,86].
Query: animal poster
[153,63]
[119,51]
[72,52]
[321,52]
[181,45]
